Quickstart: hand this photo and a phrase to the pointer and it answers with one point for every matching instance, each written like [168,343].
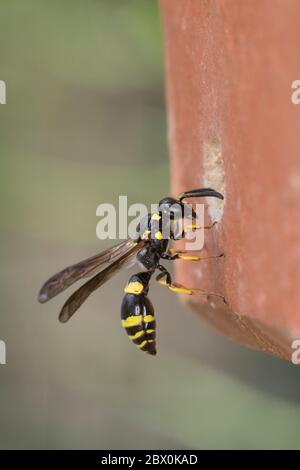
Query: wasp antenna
[203,192]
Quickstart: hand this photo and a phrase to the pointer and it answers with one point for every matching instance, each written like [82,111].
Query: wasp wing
[76,300]
[65,278]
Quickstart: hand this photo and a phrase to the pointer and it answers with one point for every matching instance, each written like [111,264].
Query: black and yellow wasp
[148,247]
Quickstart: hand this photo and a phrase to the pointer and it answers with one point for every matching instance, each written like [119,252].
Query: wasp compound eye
[172,207]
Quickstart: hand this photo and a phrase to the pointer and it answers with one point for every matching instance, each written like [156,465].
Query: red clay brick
[230,65]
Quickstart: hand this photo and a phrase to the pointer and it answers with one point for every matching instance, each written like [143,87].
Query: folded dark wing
[76,300]
[86,268]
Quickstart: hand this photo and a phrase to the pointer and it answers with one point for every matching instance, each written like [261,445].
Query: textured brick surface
[229,68]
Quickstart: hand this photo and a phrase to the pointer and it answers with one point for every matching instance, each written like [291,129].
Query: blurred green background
[85,122]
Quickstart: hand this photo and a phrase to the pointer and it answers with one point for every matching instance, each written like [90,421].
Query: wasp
[147,248]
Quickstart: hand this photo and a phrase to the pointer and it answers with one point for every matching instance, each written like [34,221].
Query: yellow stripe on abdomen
[137,335]
[148,318]
[134,288]
[133,320]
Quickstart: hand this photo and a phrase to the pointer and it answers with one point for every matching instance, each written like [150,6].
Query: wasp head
[175,209]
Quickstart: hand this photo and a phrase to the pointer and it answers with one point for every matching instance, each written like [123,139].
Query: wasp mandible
[147,248]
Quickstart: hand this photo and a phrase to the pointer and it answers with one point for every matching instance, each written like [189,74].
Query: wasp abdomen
[138,319]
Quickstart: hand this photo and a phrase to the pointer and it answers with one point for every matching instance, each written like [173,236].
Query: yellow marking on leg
[192,227]
[133,320]
[135,287]
[163,282]
[156,217]
[158,235]
[181,255]
[180,289]
[176,287]
[150,331]
[137,335]
[198,227]
[142,344]
[196,258]
[148,318]
[194,290]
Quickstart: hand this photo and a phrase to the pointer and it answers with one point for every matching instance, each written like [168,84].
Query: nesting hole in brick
[214,177]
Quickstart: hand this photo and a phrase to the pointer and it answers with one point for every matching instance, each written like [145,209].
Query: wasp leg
[209,294]
[198,227]
[163,273]
[179,288]
[192,227]
[174,254]
[164,278]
